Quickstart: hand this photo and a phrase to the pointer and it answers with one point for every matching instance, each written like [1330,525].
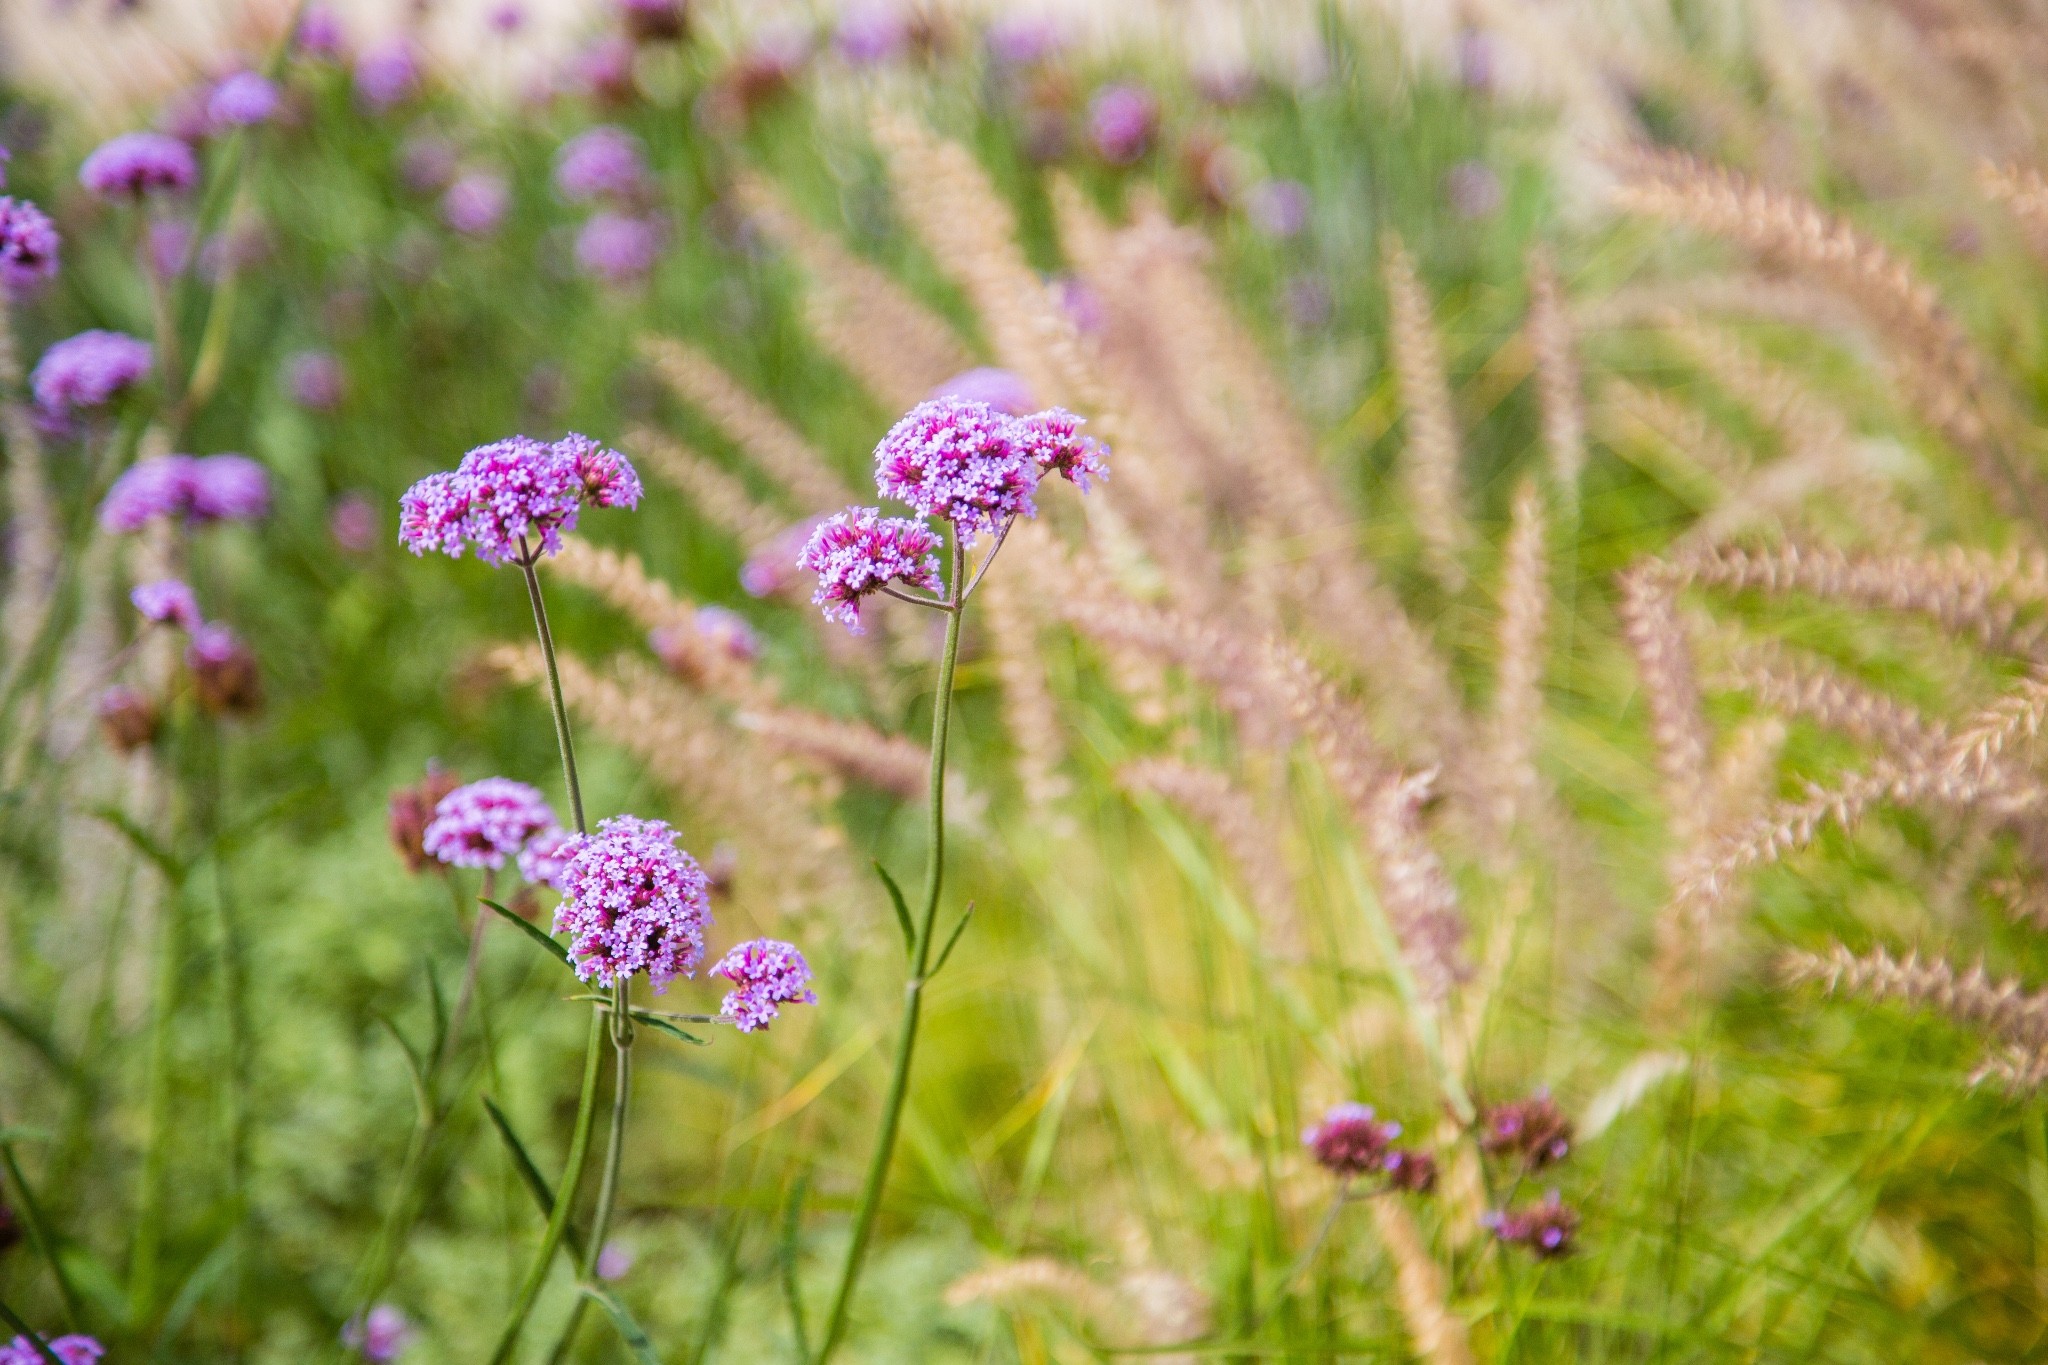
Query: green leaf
[902,910]
[440,1013]
[629,1330]
[951,939]
[536,1183]
[422,1096]
[534,932]
[174,868]
[661,1025]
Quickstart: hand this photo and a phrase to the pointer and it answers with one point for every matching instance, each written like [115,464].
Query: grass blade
[38,1040]
[902,910]
[13,1319]
[951,939]
[661,1025]
[629,1330]
[534,932]
[421,1095]
[536,1183]
[32,1216]
[174,868]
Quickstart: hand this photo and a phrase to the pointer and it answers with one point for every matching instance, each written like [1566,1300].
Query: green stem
[565,1197]
[614,1151]
[547,649]
[39,1232]
[14,1320]
[913,989]
[149,1215]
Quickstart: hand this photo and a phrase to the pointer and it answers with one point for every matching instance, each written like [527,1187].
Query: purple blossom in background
[184,115]
[1412,1172]
[316,380]
[1224,82]
[1278,208]
[616,248]
[1478,62]
[545,855]
[605,69]
[72,1350]
[614,1261]
[512,490]
[729,631]
[870,33]
[1052,440]
[28,245]
[771,568]
[859,551]
[632,902]
[507,18]
[167,602]
[482,824]
[381,1336]
[217,488]
[241,100]
[1122,120]
[1473,189]
[387,74]
[320,36]
[765,974]
[135,164]
[1000,389]
[426,162]
[1350,1141]
[654,20]
[476,204]
[1082,305]
[1546,1229]
[1535,1129]
[169,247]
[1022,39]
[603,161]
[1308,303]
[958,460]
[229,488]
[352,521]
[87,370]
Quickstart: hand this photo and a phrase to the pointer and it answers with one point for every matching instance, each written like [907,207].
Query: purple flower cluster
[1000,389]
[1535,1129]
[860,551]
[224,672]
[72,1350]
[215,488]
[320,36]
[1122,122]
[135,164]
[1545,1228]
[28,245]
[381,1336]
[545,856]
[1052,441]
[765,974]
[482,824]
[476,204]
[241,100]
[633,902]
[965,462]
[506,494]
[316,380]
[618,248]
[605,161]
[1351,1141]
[387,74]
[167,601]
[87,370]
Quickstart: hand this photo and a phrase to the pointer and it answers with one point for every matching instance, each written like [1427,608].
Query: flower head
[72,1350]
[316,380]
[765,974]
[1535,1129]
[617,248]
[608,479]
[1000,389]
[216,488]
[127,718]
[224,673]
[614,1261]
[870,33]
[860,551]
[167,602]
[1350,1141]
[242,99]
[1122,121]
[380,1335]
[1052,440]
[28,245]
[484,823]
[957,459]
[136,164]
[545,855]
[633,902]
[229,488]
[603,161]
[411,810]
[476,204]
[387,74]
[511,492]
[87,370]
[1414,1172]
[1546,1228]
[320,36]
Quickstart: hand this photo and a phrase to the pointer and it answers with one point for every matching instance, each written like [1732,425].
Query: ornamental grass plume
[1430,460]
[752,425]
[484,823]
[766,974]
[721,498]
[632,903]
[88,371]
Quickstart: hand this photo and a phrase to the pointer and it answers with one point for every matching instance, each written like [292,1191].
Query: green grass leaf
[661,1025]
[629,1330]
[534,932]
[530,1176]
[951,939]
[902,910]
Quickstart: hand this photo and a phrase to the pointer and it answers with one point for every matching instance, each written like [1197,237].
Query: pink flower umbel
[72,1350]
[136,164]
[381,1336]
[476,204]
[1534,1129]
[618,248]
[633,902]
[603,161]
[216,488]
[608,479]
[1052,440]
[957,459]
[167,602]
[1122,122]
[860,551]
[766,974]
[545,856]
[87,370]
[28,245]
[1546,1229]
[1350,1141]
[484,823]
[241,100]
[513,491]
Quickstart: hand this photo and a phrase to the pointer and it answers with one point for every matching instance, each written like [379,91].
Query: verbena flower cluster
[72,1350]
[860,551]
[484,823]
[201,490]
[382,1335]
[1536,1133]
[633,902]
[28,245]
[1353,1141]
[603,161]
[87,370]
[241,100]
[224,672]
[545,856]
[766,974]
[135,164]
[512,493]
[411,810]
[167,601]
[1545,1228]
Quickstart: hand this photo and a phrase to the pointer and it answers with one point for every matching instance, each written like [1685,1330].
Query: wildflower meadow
[908,682]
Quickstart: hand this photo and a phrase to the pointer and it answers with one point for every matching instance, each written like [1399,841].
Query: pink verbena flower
[513,492]
[316,380]
[617,248]
[633,902]
[1546,1229]
[476,204]
[386,74]
[482,824]
[1535,1129]
[766,974]
[240,100]
[545,856]
[1350,1141]
[87,370]
[1413,1172]
[860,551]
[1122,121]
[434,514]
[136,164]
[1052,440]
[229,488]
[72,1350]
[1000,389]
[607,477]
[167,601]
[957,459]
[381,1336]
[216,488]
[320,36]
[604,161]
[28,245]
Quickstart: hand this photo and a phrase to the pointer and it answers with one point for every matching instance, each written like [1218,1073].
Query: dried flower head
[860,551]
[506,495]
[1535,1129]
[484,823]
[765,974]
[241,100]
[545,856]
[28,245]
[633,902]
[1350,1141]
[959,460]
[135,164]
[650,21]
[167,601]
[224,672]
[87,370]
[1545,1228]
[381,1335]
[128,719]
[411,810]
[604,161]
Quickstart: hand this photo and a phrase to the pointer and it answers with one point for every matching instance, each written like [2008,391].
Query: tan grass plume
[1430,458]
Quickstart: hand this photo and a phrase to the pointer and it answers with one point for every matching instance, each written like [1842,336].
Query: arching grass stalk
[920,960]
